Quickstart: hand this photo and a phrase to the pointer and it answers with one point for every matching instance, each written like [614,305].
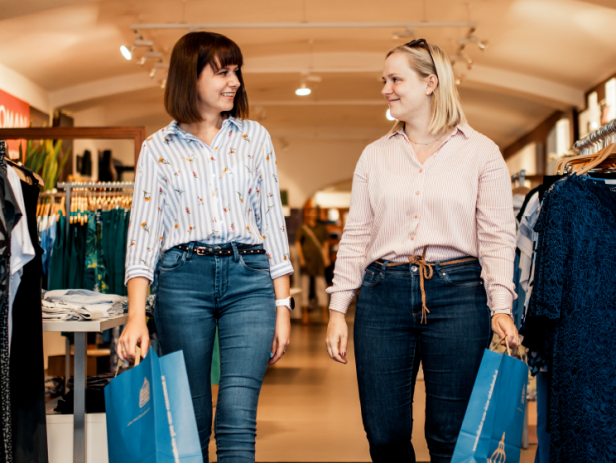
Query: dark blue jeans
[390,343]
[195,293]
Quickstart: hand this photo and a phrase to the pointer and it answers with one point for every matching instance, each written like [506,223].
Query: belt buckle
[201,251]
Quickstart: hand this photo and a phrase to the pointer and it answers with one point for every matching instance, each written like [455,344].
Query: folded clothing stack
[79,304]
[121,306]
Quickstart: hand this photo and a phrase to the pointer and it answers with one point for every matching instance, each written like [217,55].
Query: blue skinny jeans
[195,293]
[390,343]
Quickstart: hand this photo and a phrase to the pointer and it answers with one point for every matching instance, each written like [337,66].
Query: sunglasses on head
[424,44]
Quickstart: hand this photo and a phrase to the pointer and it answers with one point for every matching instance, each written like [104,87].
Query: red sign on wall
[14,113]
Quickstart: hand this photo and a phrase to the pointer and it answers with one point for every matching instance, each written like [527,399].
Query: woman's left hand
[503,325]
[282,335]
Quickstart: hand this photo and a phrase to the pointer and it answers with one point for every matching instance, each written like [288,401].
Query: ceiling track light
[462,57]
[139,42]
[407,33]
[481,44]
[156,67]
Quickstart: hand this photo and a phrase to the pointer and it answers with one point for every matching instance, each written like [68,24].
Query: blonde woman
[430,239]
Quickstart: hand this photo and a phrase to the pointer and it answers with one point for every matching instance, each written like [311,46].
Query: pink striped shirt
[458,202]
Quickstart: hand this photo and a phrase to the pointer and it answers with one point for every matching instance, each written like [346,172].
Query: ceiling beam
[23,88]
[101,88]
[553,94]
[306,25]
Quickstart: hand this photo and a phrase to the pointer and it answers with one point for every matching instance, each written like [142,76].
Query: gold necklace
[425,144]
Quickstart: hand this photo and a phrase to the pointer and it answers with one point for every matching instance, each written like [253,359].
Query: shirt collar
[174,129]
[462,128]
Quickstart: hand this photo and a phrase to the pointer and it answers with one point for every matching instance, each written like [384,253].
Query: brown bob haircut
[191,54]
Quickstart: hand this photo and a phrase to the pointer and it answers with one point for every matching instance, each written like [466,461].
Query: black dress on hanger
[9,216]
[27,367]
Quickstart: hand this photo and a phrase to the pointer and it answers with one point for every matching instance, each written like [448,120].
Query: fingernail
[344,354]
[271,355]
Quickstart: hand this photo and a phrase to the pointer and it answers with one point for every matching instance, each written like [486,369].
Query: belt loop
[191,248]
[437,269]
[236,254]
[385,262]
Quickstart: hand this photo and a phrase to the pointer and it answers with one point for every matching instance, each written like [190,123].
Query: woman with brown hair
[207,202]
[430,239]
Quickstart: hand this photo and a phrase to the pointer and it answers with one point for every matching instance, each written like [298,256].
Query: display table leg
[79,411]
[67,363]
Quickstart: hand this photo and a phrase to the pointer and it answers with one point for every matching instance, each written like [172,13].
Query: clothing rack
[69,186]
[597,140]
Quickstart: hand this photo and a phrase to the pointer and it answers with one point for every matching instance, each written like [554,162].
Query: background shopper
[206,194]
[312,244]
[430,239]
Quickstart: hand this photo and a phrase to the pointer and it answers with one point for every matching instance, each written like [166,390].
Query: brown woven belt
[426,271]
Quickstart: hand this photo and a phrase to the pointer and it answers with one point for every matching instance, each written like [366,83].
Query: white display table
[80,328]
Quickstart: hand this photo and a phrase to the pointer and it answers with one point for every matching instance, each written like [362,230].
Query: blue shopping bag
[494,420]
[150,416]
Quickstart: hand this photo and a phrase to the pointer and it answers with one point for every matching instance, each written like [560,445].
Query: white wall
[123,150]
[307,166]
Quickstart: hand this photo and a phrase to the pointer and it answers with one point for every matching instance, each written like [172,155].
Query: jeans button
[414,269]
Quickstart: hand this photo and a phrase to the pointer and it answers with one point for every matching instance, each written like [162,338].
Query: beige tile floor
[309,408]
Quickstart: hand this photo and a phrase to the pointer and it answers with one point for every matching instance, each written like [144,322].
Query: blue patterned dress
[571,318]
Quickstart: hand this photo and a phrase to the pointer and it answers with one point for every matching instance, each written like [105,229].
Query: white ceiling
[543,55]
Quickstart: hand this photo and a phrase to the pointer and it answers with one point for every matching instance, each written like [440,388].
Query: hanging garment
[22,250]
[27,370]
[571,318]
[9,215]
[58,275]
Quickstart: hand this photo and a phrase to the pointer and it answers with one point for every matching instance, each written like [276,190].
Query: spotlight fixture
[461,56]
[303,90]
[389,116]
[139,42]
[472,38]
[150,54]
[126,53]
[406,34]
[156,67]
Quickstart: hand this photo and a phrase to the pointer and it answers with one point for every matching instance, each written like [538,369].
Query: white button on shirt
[458,204]
[188,191]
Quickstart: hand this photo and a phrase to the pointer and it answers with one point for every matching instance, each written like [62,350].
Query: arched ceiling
[542,55]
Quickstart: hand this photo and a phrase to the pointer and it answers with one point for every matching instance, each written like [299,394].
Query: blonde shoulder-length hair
[446,108]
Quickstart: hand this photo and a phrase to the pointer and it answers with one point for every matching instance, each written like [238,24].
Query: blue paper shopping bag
[492,427]
[150,416]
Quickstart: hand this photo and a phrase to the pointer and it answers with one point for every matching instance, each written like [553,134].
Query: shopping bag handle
[507,344]
[137,360]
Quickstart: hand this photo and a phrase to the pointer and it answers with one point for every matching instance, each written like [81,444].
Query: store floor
[309,407]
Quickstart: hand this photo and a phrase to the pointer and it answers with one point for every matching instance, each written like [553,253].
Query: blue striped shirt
[188,191]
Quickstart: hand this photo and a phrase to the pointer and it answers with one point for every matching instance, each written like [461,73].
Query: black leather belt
[205,251]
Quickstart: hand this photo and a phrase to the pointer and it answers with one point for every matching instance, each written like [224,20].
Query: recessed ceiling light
[126,53]
[389,116]
[303,91]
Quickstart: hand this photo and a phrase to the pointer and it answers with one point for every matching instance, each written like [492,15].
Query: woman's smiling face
[217,89]
[406,91]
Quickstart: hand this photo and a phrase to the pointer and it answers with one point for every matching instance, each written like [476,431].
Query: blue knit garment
[571,320]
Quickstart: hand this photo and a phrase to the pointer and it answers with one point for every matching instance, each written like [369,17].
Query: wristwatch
[289,303]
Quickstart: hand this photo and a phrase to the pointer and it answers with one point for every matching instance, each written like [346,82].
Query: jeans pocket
[370,278]
[464,276]
[172,260]
[258,263]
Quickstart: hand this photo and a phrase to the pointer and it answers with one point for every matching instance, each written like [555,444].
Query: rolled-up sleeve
[496,233]
[273,229]
[351,258]
[145,230]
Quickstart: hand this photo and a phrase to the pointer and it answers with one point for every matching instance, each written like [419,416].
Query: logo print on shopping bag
[499,455]
[144,394]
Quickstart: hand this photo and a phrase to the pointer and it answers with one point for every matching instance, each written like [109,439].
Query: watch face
[292,303]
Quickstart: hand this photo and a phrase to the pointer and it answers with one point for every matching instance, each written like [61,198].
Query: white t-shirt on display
[22,250]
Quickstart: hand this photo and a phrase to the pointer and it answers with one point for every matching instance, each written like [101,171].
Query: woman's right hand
[337,336]
[135,333]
